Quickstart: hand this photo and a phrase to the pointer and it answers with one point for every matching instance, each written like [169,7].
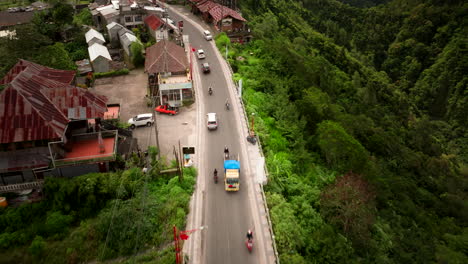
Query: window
[138,18]
[128,19]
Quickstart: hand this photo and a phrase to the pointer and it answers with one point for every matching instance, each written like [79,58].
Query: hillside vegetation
[363,116]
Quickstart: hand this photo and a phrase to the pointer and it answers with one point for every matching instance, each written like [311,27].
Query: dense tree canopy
[378,91]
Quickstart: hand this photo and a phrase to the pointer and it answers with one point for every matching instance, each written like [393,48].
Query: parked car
[141,120]
[205,67]
[211,121]
[207,35]
[166,109]
[201,54]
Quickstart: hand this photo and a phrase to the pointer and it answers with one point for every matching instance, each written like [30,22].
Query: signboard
[188,150]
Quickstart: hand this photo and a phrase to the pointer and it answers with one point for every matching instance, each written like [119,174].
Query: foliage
[83,18]
[37,246]
[349,204]
[99,216]
[377,91]
[137,54]
[55,56]
[111,73]
[342,151]
[52,22]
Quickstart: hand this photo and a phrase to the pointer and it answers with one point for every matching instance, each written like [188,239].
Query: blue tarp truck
[231,175]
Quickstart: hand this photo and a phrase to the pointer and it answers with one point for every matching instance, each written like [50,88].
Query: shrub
[37,246]
[57,223]
[111,73]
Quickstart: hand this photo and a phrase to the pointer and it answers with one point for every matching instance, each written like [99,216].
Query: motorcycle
[252,139]
[227,106]
[215,175]
[249,244]
[210,91]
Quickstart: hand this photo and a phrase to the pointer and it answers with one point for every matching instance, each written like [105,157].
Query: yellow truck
[231,175]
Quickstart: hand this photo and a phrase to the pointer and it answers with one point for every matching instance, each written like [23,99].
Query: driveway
[130,92]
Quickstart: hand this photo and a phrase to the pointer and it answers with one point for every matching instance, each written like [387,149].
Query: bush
[37,246]
[111,73]
[57,223]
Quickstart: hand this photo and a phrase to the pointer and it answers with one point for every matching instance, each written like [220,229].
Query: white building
[100,58]
[93,36]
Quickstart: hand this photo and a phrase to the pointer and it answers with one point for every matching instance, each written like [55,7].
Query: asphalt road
[227,216]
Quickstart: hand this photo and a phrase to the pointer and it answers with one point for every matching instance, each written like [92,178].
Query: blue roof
[231,164]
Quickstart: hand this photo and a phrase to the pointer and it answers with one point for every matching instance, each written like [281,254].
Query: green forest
[124,216]
[362,111]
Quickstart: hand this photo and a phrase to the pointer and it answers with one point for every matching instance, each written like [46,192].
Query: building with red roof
[156,27]
[44,123]
[223,18]
[168,73]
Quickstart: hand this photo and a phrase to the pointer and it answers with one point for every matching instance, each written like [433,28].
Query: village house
[99,57]
[223,18]
[112,31]
[168,73]
[93,36]
[44,127]
[156,27]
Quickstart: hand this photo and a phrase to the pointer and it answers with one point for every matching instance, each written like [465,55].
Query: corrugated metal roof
[97,50]
[34,107]
[205,6]
[62,76]
[109,12]
[16,18]
[92,33]
[153,22]
[165,56]
[113,24]
[127,39]
[219,12]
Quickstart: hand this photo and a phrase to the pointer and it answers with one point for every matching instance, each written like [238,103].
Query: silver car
[141,120]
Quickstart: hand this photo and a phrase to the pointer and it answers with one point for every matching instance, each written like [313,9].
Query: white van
[212,122]
[207,35]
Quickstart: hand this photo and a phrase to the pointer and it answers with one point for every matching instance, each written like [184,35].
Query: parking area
[130,91]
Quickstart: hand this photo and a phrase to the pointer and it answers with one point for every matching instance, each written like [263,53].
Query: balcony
[85,148]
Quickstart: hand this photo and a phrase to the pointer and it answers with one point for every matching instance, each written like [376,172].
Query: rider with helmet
[249,235]
[226,152]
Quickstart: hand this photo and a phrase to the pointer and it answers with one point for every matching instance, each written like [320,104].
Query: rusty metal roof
[62,76]
[33,107]
[153,22]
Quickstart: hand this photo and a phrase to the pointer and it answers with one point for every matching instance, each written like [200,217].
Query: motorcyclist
[227,104]
[210,91]
[226,151]
[215,173]
[249,235]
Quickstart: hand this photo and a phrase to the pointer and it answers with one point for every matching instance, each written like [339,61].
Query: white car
[207,35]
[211,121]
[201,54]
[141,120]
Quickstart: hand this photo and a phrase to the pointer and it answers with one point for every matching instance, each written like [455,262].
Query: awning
[175,86]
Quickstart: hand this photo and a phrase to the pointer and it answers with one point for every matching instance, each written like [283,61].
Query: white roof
[108,11]
[92,33]
[97,50]
[113,24]
[105,7]
[153,8]
[115,4]
[131,37]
